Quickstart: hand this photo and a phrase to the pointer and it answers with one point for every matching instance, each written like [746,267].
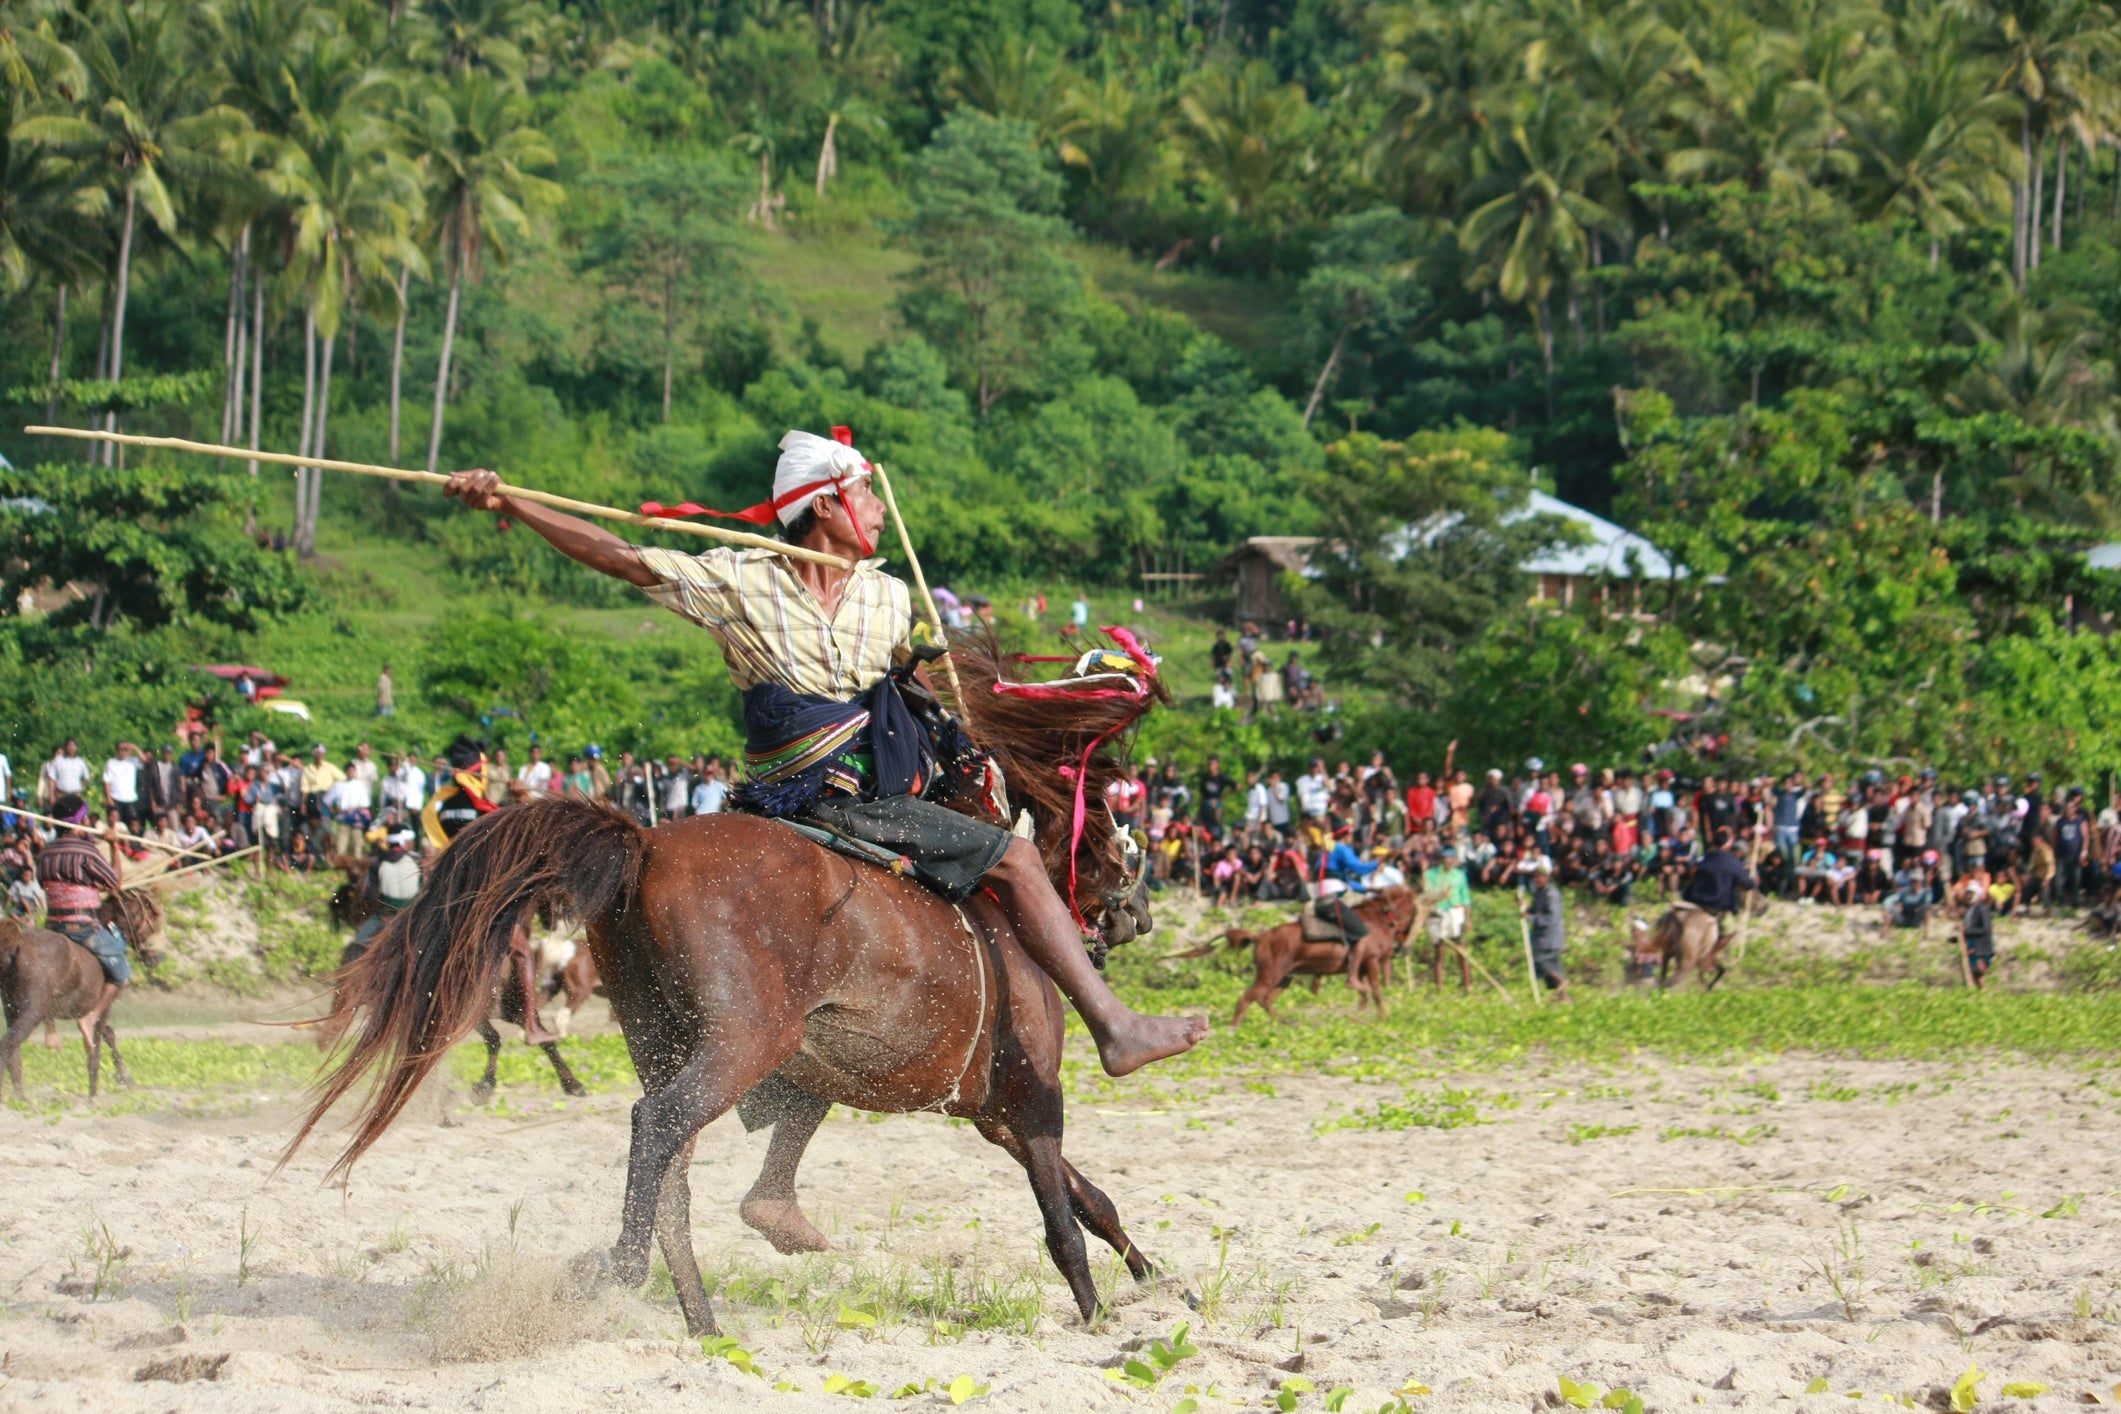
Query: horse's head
[138,915]
[1059,744]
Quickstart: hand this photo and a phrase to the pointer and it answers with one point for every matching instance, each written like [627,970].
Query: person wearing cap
[1450,899]
[390,885]
[818,652]
[2073,850]
[1544,912]
[75,875]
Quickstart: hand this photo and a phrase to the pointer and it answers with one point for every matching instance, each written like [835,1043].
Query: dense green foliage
[1819,300]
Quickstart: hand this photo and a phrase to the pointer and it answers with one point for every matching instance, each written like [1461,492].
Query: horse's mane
[1033,739]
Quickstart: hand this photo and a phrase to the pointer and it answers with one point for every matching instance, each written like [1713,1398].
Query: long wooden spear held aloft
[391,473]
[935,617]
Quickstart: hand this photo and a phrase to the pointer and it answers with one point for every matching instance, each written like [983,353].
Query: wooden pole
[391,473]
[913,562]
[1745,900]
[1531,969]
[203,864]
[106,833]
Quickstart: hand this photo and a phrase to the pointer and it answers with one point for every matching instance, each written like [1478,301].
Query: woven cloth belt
[848,845]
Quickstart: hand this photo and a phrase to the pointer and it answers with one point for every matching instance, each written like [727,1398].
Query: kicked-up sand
[1779,1234]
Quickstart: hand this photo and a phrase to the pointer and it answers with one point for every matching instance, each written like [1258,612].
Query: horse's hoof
[588,1273]
[577,1089]
[481,1093]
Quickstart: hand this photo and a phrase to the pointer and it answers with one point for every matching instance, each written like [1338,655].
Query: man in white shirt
[65,774]
[1314,791]
[413,781]
[121,786]
[709,795]
[351,804]
[363,765]
[7,782]
[537,773]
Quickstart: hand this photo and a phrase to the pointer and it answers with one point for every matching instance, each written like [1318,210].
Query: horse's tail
[1235,937]
[430,975]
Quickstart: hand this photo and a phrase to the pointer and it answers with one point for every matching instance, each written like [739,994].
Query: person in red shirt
[1126,796]
[1421,803]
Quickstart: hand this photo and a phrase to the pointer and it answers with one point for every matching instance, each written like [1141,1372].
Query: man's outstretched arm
[572,536]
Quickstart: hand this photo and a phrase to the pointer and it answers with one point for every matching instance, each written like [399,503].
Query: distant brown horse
[45,976]
[735,951]
[1688,940]
[352,905]
[1282,953]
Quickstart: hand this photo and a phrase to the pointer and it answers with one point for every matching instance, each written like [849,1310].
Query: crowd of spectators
[201,801]
[1623,835]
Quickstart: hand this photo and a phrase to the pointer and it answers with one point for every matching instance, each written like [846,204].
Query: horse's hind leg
[1095,1211]
[770,1207]
[566,1077]
[483,1091]
[11,1047]
[109,1036]
[95,1063]
[673,1229]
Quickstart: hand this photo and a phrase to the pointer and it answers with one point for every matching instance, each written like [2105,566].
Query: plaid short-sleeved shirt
[773,629]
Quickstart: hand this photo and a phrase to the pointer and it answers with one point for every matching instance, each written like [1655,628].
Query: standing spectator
[386,694]
[1215,787]
[1219,654]
[1421,803]
[1445,884]
[1977,927]
[7,782]
[352,804]
[709,796]
[677,788]
[499,776]
[121,787]
[265,807]
[1278,812]
[599,773]
[214,779]
[363,765]
[65,774]
[1314,791]
[1544,913]
[537,773]
[1918,808]
[164,783]
[1787,813]
[1255,805]
[1825,808]
[1127,797]
[412,784]
[2073,850]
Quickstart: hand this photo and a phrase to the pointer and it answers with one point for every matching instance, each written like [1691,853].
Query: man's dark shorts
[108,947]
[950,853]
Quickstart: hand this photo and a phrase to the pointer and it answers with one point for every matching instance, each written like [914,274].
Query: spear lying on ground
[391,473]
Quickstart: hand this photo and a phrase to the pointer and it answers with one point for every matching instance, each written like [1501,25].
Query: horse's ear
[1024,830]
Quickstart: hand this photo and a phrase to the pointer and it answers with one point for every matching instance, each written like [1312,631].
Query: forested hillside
[1820,298]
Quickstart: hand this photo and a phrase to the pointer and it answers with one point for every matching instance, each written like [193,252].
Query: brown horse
[1688,940]
[1282,953]
[735,952]
[45,976]
[352,906]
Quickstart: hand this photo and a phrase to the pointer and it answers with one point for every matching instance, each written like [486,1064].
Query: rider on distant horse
[1720,883]
[75,876]
[390,885]
[829,738]
[457,802]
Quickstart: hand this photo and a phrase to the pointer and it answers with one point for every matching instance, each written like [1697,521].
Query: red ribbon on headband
[767,512]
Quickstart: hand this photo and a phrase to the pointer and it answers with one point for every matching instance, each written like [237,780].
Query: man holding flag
[813,647]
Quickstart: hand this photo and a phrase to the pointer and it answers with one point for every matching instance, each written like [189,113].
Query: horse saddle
[846,844]
[1319,928]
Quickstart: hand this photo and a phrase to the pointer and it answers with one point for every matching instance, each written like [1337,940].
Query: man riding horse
[830,741]
[75,876]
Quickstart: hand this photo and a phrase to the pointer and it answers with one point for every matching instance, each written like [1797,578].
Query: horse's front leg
[770,1208]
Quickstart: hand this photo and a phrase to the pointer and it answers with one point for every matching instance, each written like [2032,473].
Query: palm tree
[1114,134]
[32,55]
[475,144]
[1931,141]
[1246,132]
[148,119]
[1535,232]
[2045,52]
[458,36]
[1756,120]
[1448,75]
[2047,374]
[350,208]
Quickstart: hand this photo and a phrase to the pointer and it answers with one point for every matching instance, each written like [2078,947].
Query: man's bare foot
[1137,1040]
[782,1223]
[535,1034]
[88,1030]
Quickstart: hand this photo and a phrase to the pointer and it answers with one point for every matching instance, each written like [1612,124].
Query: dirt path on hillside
[1875,1225]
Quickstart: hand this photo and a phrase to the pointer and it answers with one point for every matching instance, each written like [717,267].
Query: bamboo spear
[391,473]
[100,833]
[913,562]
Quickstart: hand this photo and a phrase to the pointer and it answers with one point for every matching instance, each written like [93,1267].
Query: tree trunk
[309,412]
[51,401]
[1598,287]
[449,339]
[117,322]
[2034,202]
[1933,254]
[1576,315]
[1546,348]
[397,362]
[670,337]
[257,358]
[1937,496]
[306,536]
[234,427]
[229,389]
[765,206]
[1325,376]
[2019,192]
[828,157]
[2061,184]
